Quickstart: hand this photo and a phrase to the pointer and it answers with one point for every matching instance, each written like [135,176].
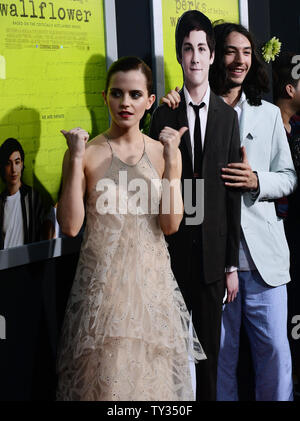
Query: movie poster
[52,72]
[216,10]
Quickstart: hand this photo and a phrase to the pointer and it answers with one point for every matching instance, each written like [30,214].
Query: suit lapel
[248,123]
[182,121]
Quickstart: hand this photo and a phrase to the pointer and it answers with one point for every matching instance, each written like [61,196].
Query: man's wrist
[230,269]
[256,187]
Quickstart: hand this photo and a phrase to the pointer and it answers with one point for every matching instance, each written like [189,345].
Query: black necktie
[197,141]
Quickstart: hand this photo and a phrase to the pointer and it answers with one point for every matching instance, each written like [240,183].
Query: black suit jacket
[220,231]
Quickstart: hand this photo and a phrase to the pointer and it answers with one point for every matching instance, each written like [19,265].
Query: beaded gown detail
[125,335]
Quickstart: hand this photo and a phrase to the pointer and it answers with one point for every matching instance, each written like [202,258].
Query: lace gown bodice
[126,329]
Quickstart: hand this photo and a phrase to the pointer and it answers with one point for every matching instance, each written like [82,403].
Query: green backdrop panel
[52,72]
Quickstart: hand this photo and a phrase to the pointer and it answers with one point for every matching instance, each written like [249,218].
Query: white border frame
[157,48]
[109,9]
[244,13]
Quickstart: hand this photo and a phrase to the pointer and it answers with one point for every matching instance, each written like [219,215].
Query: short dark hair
[256,81]
[9,146]
[283,75]
[190,21]
[125,64]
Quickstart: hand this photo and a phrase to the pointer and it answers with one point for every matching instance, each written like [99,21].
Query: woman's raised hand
[170,138]
[76,140]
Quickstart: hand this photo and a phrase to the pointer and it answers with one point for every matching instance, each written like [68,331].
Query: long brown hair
[256,81]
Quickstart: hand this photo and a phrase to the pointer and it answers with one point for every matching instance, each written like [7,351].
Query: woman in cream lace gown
[126,330]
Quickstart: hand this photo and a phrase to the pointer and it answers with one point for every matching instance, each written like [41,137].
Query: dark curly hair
[256,81]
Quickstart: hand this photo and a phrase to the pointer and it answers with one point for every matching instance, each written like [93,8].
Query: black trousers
[205,301]
[206,305]
[206,315]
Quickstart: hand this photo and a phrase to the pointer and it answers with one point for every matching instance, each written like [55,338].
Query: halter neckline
[116,156]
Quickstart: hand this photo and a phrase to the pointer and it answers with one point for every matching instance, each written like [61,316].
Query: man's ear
[212,58]
[290,90]
[179,60]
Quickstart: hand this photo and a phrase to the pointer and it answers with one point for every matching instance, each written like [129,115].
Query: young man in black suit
[205,256]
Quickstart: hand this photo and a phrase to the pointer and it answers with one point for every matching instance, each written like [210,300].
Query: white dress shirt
[239,106]
[191,117]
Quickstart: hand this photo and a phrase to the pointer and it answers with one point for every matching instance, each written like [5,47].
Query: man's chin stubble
[231,84]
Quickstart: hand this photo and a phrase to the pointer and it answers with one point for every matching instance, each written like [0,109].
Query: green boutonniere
[271,49]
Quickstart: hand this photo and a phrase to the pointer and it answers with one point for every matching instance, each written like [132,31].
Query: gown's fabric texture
[126,330]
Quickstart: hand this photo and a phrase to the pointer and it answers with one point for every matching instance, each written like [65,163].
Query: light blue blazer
[268,152]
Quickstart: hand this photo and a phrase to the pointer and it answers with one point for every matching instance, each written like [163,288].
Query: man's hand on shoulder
[172,99]
[240,174]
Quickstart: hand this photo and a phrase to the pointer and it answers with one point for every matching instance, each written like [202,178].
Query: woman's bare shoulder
[98,141]
[97,153]
[96,145]
[156,145]
[155,153]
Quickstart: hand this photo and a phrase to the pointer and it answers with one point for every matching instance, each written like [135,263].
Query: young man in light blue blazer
[265,173]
